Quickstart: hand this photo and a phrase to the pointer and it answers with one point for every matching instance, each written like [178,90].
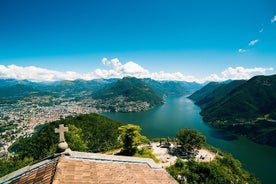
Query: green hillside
[242,107]
[117,95]
[173,88]
[15,92]
[96,133]
[213,94]
[71,88]
[87,133]
[127,92]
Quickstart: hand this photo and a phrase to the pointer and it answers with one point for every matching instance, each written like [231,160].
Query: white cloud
[115,63]
[242,50]
[119,70]
[253,42]
[273,19]
[242,73]
[261,30]
[177,76]
[36,74]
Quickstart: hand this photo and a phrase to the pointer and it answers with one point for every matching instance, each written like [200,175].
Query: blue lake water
[180,112]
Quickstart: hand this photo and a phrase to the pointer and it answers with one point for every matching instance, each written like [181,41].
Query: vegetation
[237,100]
[245,107]
[173,88]
[88,133]
[222,170]
[131,89]
[130,137]
[190,139]
[12,90]
[119,95]
[96,133]
[146,152]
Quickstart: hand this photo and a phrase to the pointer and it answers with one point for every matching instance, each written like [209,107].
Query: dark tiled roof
[42,173]
[79,167]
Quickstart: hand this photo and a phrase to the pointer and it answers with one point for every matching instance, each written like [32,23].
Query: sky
[186,40]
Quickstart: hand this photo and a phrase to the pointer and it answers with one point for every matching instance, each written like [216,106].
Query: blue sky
[164,39]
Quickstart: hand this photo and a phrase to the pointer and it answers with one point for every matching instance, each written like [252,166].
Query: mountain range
[244,107]
[120,95]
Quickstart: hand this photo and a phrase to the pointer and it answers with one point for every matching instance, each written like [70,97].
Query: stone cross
[61,131]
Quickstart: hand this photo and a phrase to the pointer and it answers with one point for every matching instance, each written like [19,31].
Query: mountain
[244,107]
[124,95]
[128,94]
[13,90]
[214,92]
[71,88]
[12,82]
[173,88]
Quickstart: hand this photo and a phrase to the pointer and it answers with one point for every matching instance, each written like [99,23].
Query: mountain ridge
[12,91]
[122,94]
[244,107]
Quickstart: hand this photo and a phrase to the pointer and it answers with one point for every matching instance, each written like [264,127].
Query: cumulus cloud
[177,76]
[273,19]
[119,70]
[114,63]
[237,73]
[253,42]
[242,50]
[243,73]
[116,69]
[35,74]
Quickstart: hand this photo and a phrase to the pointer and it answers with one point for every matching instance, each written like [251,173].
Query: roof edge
[27,169]
[112,158]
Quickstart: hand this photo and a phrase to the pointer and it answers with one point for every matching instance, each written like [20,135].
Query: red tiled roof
[79,167]
[87,171]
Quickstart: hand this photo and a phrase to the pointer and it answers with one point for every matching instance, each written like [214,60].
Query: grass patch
[112,152]
[146,153]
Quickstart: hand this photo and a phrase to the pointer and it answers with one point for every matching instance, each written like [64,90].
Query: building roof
[80,167]
[42,172]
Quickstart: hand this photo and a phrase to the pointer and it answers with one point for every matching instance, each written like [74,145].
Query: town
[20,119]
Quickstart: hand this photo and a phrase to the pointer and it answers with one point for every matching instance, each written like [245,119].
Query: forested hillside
[87,133]
[173,88]
[124,95]
[120,95]
[95,133]
[245,107]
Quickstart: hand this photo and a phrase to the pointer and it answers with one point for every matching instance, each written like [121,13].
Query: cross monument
[61,131]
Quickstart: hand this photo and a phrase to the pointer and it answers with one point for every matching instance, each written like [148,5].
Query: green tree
[73,136]
[190,139]
[130,137]
[217,171]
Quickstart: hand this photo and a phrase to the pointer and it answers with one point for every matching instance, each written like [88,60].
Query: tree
[130,137]
[73,136]
[218,171]
[190,139]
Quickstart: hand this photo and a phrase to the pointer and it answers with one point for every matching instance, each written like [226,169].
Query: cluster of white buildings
[19,119]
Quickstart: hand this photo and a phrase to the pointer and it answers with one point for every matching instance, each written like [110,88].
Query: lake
[180,112]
